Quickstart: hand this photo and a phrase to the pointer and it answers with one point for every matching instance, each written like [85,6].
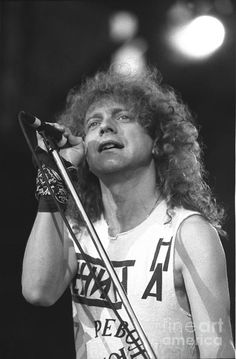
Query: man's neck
[129,200]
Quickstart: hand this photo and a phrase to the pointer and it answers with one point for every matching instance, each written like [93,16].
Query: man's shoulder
[195,226]
[198,242]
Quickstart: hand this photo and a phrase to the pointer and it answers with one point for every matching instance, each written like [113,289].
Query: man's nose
[107,125]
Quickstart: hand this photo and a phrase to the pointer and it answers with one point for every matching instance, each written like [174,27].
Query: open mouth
[108,145]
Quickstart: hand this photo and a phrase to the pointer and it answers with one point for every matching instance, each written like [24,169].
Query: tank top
[143,259]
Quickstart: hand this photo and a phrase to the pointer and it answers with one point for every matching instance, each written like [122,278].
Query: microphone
[39,126]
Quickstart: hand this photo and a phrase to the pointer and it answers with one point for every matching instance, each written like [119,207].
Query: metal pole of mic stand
[101,251]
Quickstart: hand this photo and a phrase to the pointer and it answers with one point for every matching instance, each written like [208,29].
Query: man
[140,179]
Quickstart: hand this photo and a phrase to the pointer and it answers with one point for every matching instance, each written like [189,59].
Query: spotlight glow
[129,59]
[123,26]
[200,38]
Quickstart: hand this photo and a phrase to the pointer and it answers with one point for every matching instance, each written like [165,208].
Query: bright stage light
[199,38]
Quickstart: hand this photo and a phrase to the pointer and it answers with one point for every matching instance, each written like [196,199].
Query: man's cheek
[91,153]
[89,148]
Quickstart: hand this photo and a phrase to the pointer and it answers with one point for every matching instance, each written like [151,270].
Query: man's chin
[107,169]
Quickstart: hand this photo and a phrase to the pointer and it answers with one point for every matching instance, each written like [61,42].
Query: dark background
[46,47]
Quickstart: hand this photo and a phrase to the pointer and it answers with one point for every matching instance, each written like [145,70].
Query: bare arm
[49,262]
[204,271]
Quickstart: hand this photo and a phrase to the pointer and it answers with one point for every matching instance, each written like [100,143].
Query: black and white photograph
[117,125]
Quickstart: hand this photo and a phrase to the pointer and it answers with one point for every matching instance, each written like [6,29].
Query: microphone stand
[96,240]
[52,149]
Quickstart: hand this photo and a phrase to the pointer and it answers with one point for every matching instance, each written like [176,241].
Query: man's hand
[75,153]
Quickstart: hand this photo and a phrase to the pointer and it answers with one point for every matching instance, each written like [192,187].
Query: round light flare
[123,26]
[200,38]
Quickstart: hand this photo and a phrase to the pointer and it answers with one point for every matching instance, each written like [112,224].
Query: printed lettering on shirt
[113,327]
[154,287]
[85,289]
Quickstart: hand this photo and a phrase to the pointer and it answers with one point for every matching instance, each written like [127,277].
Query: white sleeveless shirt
[143,258]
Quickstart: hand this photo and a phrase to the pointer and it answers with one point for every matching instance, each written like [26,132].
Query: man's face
[114,140]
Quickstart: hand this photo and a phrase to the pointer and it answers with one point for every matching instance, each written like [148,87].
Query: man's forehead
[105,103]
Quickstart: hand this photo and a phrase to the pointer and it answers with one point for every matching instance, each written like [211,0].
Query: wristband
[56,185]
[42,193]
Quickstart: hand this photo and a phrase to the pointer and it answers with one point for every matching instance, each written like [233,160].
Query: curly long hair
[160,110]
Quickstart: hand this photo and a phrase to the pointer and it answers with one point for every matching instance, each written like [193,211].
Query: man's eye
[124,117]
[92,124]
